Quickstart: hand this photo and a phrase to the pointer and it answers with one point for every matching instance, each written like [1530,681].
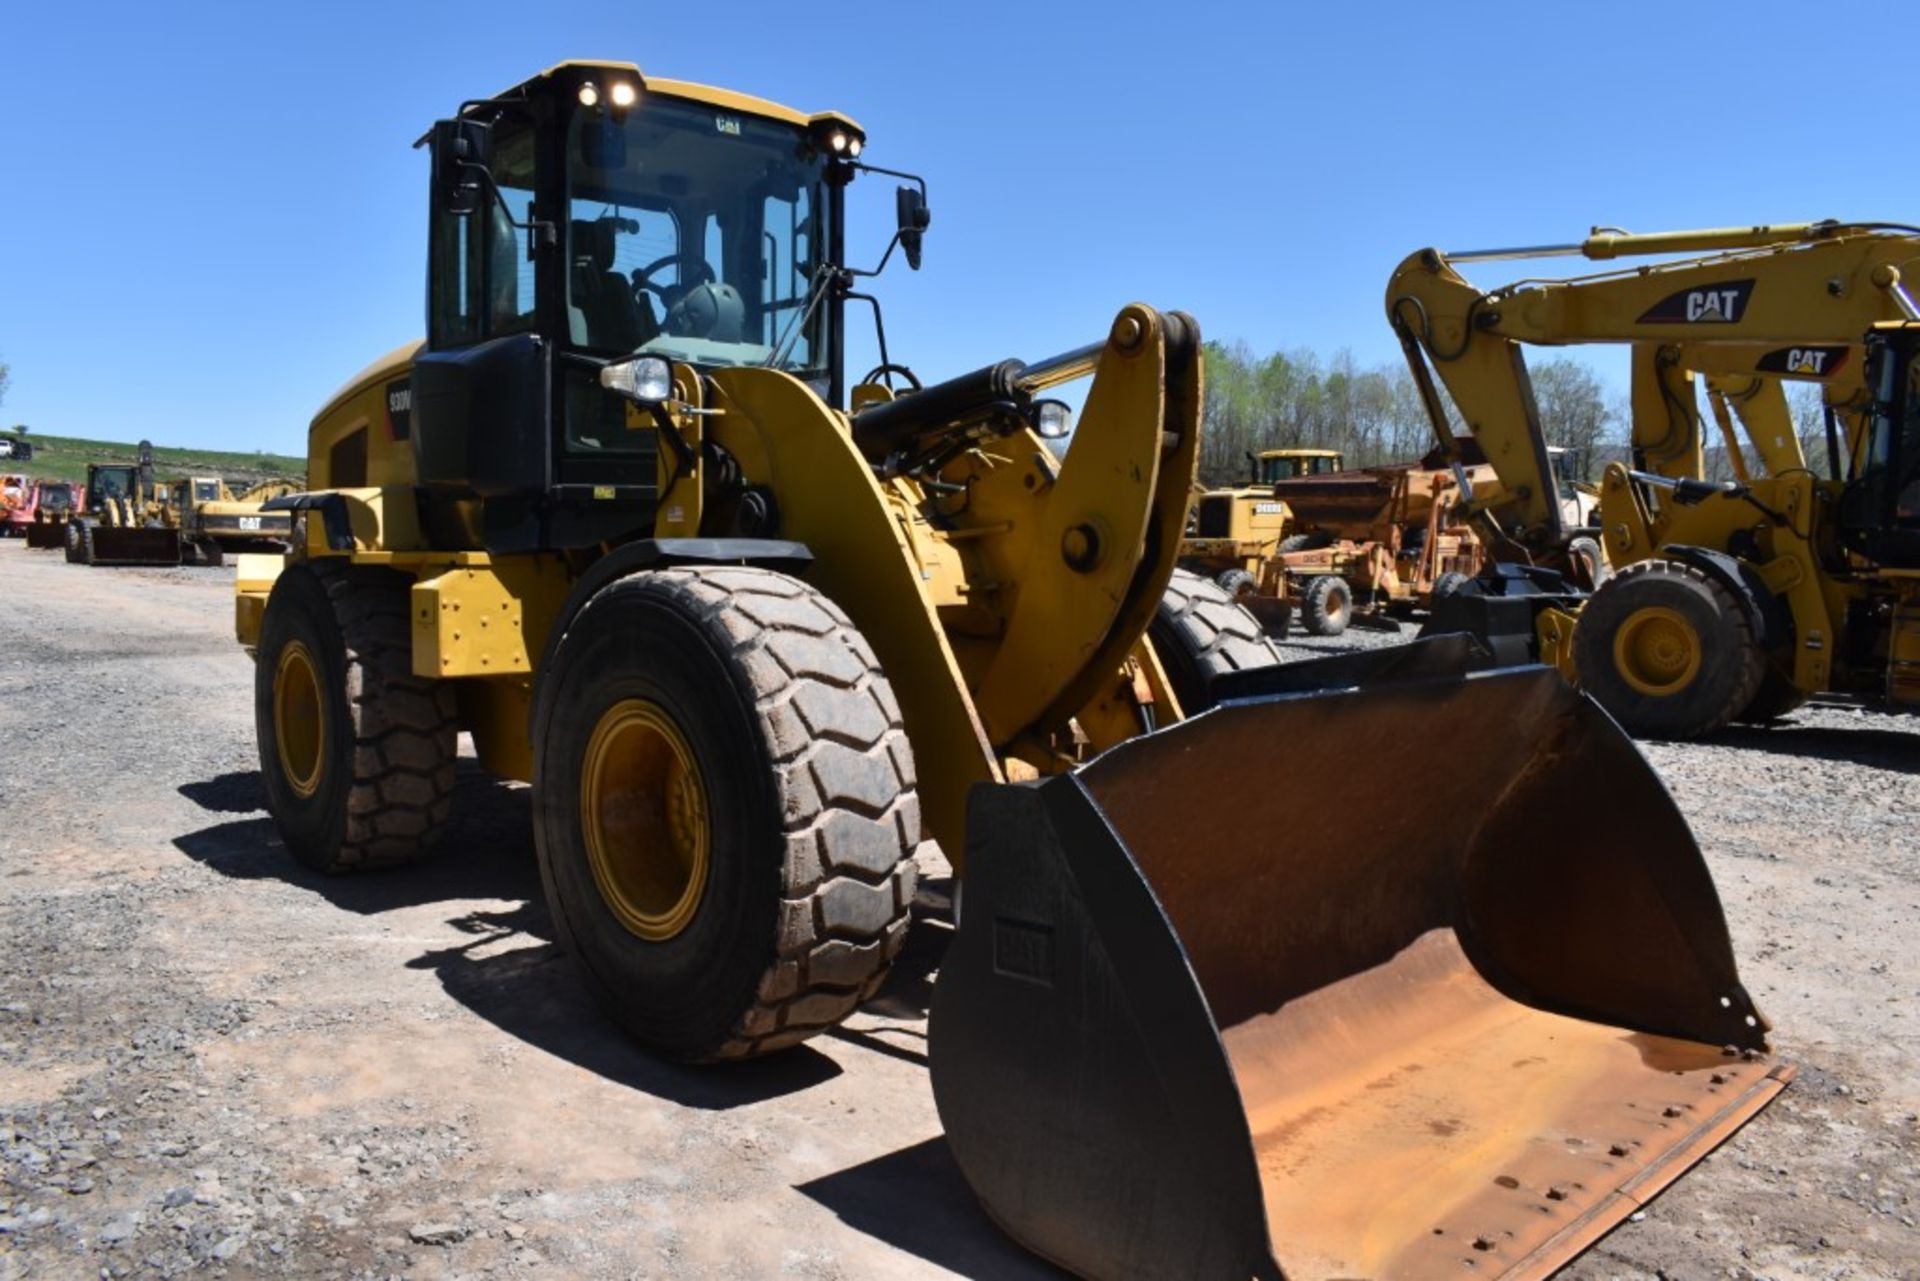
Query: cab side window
[483,281]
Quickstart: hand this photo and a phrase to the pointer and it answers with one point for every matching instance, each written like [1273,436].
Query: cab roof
[727,99]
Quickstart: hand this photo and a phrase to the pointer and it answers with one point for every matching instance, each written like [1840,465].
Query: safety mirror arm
[912,213]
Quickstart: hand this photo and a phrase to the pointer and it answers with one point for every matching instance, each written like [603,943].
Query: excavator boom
[1787,287]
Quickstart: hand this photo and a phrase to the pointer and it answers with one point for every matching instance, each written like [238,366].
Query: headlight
[648,380]
[624,94]
[1052,418]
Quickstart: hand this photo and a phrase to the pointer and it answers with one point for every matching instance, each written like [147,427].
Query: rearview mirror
[459,147]
[910,208]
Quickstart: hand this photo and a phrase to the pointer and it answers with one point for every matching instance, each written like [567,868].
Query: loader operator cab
[108,484]
[1880,509]
[588,217]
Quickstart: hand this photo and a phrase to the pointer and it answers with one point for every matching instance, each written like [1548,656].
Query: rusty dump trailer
[1365,504]
[1462,1039]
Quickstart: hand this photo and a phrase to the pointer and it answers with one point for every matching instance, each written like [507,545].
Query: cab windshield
[695,233]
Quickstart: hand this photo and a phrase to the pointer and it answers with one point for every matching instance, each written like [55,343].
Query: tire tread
[843,770]
[405,727]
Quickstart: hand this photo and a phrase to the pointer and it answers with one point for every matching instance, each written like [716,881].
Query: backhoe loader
[754,635]
[1730,601]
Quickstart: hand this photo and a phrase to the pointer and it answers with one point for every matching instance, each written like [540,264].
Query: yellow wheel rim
[299,718]
[643,810]
[1657,651]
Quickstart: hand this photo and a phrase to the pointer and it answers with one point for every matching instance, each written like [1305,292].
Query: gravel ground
[214,1063]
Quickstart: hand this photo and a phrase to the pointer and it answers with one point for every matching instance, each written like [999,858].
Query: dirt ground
[212,1062]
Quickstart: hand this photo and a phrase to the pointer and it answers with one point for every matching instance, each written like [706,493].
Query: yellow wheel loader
[754,635]
[1730,602]
[126,518]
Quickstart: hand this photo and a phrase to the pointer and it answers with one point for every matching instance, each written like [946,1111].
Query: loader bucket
[1422,977]
[43,534]
[115,545]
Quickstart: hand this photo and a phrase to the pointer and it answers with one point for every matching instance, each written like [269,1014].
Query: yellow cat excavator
[1731,601]
[753,634]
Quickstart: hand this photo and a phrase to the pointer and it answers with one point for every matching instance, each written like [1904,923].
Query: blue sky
[211,215]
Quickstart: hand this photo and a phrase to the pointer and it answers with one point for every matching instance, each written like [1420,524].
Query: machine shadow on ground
[487,852]
[915,1199]
[906,996]
[1876,748]
[509,970]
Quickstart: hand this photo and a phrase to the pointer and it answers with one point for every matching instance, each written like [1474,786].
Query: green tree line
[1372,414]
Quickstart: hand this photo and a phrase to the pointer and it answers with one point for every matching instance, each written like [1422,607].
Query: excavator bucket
[1227,1002]
[134,545]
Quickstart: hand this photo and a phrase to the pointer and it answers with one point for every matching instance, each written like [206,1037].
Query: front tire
[356,752]
[1326,606]
[1667,651]
[724,810]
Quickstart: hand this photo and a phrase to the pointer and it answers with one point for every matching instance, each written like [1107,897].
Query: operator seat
[615,320]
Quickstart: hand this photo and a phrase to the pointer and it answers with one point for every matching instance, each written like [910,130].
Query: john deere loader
[753,635]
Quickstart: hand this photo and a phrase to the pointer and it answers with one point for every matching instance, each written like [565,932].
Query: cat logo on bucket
[1718,304]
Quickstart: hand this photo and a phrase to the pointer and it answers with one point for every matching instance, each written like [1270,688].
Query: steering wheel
[702,274]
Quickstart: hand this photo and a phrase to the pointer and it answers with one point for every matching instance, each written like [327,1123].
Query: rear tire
[356,752]
[747,884]
[1199,632]
[1586,556]
[1667,651]
[1326,606]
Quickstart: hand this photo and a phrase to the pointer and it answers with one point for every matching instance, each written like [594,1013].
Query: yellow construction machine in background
[126,517]
[214,521]
[1234,529]
[1729,601]
[754,635]
[1332,545]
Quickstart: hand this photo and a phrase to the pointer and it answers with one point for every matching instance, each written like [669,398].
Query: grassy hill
[66,458]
